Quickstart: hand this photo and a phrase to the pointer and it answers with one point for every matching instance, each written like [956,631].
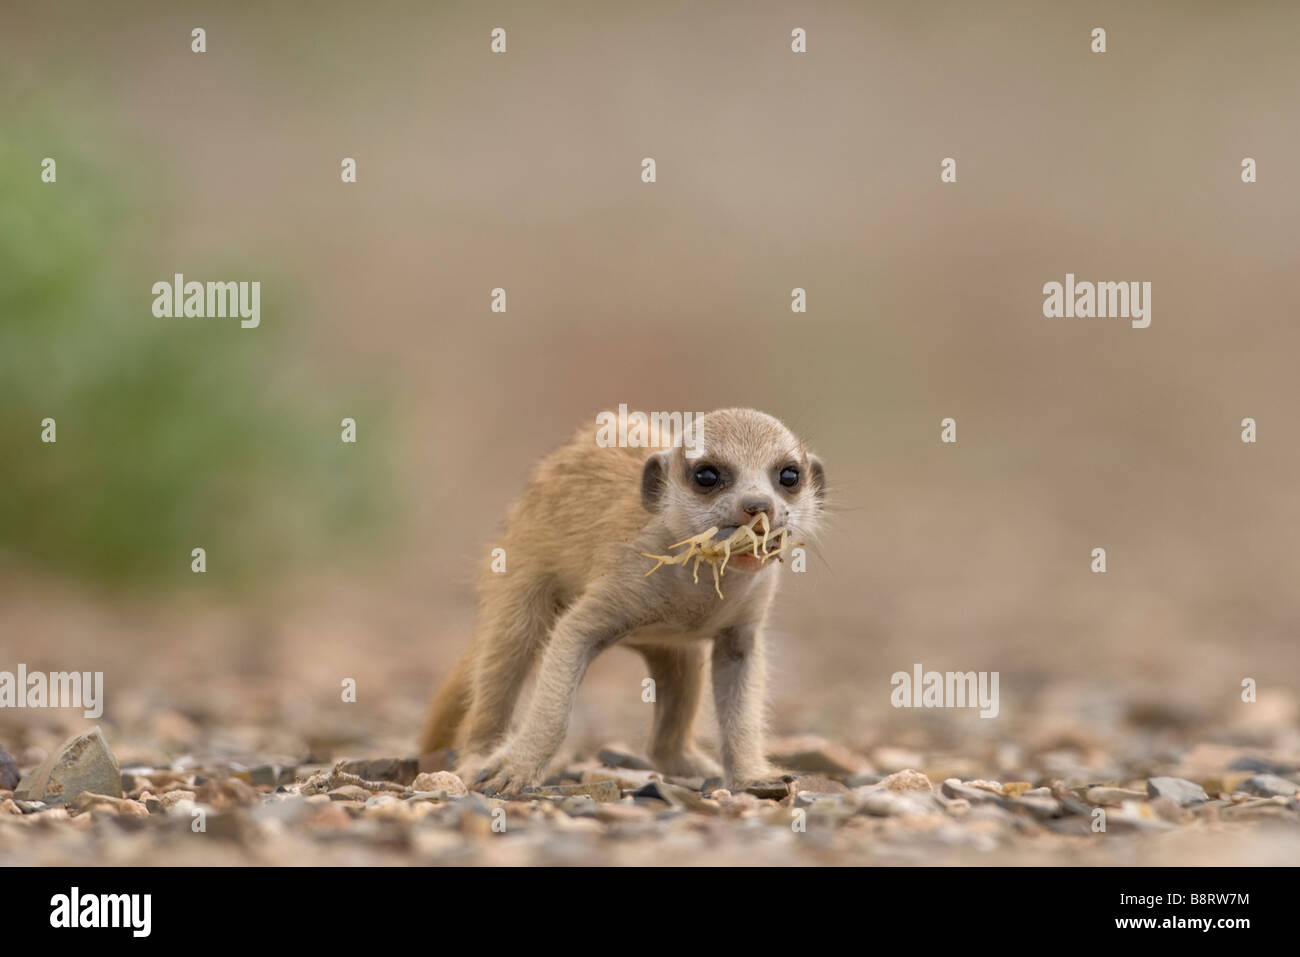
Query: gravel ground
[1062,800]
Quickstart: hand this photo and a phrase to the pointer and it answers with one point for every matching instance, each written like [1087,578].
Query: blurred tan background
[774,171]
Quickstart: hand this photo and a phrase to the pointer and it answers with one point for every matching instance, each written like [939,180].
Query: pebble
[348,792]
[83,762]
[1256,765]
[1039,807]
[660,791]
[626,778]
[1180,789]
[886,803]
[623,812]
[976,792]
[907,780]
[1269,785]
[1274,807]
[862,779]
[1115,796]
[223,793]
[399,770]
[444,781]
[603,792]
[769,790]
[9,773]
[119,807]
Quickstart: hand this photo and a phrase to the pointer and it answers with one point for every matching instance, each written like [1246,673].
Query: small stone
[1269,785]
[172,798]
[863,779]
[399,770]
[604,792]
[346,792]
[886,803]
[769,790]
[443,781]
[82,763]
[626,778]
[9,773]
[1257,765]
[809,798]
[659,791]
[907,780]
[1114,796]
[1180,789]
[7,806]
[1261,809]
[971,791]
[1015,789]
[580,805]
[1040,807]
[223,793]
[623,812]
[121,807]
[331,818]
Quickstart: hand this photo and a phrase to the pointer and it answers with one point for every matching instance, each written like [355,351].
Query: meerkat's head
[737,464]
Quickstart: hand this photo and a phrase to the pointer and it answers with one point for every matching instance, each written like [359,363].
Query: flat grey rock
[1269,785]
[1180,789]
[82,763]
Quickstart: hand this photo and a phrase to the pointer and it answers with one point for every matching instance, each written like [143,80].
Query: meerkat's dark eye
[789,477]
[706,476]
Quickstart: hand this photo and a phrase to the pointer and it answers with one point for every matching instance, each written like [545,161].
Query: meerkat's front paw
[506,773]
[686,763]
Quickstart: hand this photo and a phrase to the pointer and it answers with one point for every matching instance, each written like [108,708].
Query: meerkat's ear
[654,481]
[817,477]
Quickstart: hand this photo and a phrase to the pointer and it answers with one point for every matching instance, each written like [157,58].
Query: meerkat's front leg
[678,673]
[580,634]
[739,686]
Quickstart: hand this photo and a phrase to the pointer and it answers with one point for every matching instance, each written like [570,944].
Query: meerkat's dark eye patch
[789,476]
[706,476]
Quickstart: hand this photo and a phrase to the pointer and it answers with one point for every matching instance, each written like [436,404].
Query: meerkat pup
[576,583]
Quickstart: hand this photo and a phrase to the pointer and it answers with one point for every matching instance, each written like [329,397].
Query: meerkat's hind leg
[678,674]
[506,647]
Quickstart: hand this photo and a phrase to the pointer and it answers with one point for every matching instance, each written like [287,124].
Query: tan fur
[575,584]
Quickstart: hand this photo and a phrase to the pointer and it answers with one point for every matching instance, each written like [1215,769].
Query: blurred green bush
[172,433]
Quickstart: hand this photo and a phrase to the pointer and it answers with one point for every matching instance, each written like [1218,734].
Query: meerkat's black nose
[756,504]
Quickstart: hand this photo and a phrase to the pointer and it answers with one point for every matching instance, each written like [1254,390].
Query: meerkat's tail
[447,710]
